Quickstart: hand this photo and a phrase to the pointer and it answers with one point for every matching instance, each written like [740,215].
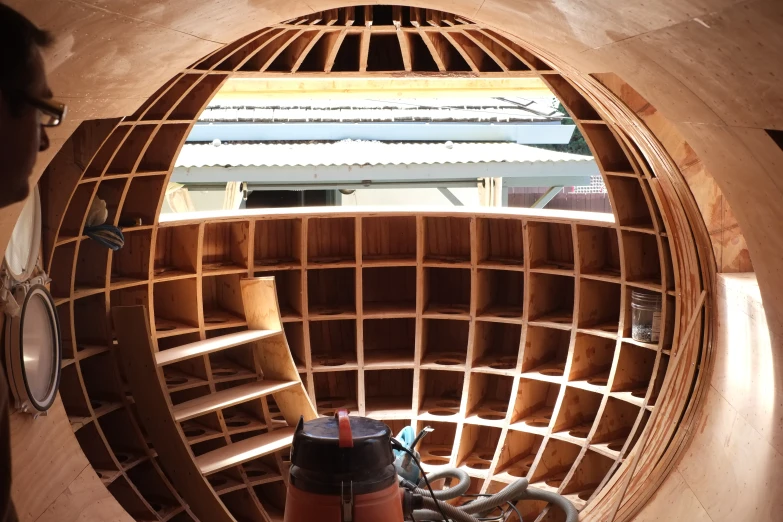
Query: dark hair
[18,38]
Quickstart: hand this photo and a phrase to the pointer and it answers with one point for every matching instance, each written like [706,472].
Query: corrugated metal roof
[355,152]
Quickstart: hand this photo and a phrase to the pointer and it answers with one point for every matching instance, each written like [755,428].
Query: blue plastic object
[406,467]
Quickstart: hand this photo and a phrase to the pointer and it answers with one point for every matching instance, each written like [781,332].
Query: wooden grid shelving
[415,318]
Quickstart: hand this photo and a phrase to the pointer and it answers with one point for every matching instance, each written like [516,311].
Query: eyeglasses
[52,112]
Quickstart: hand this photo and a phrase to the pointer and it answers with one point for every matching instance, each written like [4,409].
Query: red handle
[344,429]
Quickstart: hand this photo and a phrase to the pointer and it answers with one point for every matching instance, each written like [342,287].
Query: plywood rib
[508,332]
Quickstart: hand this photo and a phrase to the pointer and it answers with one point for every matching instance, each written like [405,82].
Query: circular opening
[478,465]
[498,408]
[616,446]
[214,320]
[639,393]
[552,372]
[598,381]
[328,312]
[447,362]
[440,452]
[156,507]
[580,433]
[217,481]
[486,456]
[174,381]
[554,482]
[194,432]
[255,473]
[164,327]
[100,475]
[40,347]
[585,495]
[447,404]
[224,371]
[435,461]
[491,416]
[538,422]
[503,365]
[333,362]
[441,412]
[278,418]
[239,423]
[518,472]
[95,404]
[122,457]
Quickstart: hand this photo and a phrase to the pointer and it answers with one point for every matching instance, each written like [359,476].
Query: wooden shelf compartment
[111,191]
[158,110]
[243,450]
[483,61]
[101,381]
[222,301]
[227,481]
[91,267]
[333,344]
[61,270]
[277,243]
[131,500]
[228,395]
[592,361]
[153,488]
[192,104]
[163,148]
[66,331]
[245,419]
[128,153]
[182,516]
[331,292]
[103,155]
[671,277]
[449,55]
[556,461]
[288,59]
[76,213]
[261,471]
[629,203]
[97,452]
[477,448]
[588,475]
[500,243]
[534,406]
[440,394]
[389,291]
[501,294]
[140,206]
[272,497]
[496,347]
[447,291]
[176,306]
[331,241]
[488,399]
[389,240]
[241,505]
[288,284]
[389,394]
[446,240]
[615,426]
[609,154]
[389,343]
[123,438]
[517,454]
[233,364]
[551,246]
[384,53]
[436,448]
[421,59]
[131,263]
[634,370]
[599,307]
[224,247]
[294,335]
[576,104]
[577,414]
[445,343]
[599,252]
[185,374]
[176,251]
[660,375]
[551,299]
[335,391]
[73,394]
[545,352]
[654,205]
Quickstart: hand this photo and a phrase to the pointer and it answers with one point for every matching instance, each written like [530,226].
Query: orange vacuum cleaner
[343,469]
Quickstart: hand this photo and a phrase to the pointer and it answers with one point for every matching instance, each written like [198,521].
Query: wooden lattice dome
[507,332]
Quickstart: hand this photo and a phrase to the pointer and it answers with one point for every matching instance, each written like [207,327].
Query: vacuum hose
[514,492]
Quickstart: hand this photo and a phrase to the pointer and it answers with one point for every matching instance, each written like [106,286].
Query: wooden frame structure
[397,315]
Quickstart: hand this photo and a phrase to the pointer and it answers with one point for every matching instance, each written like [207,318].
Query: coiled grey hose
[514,492]
[453,492]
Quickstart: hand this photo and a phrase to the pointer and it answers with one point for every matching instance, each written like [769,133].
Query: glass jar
[646,316]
